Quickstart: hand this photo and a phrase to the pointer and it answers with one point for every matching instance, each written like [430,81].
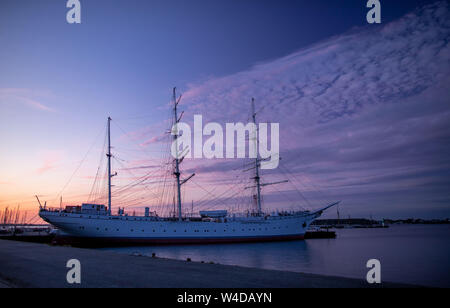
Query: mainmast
[258,161]
[177,161]
[257,178]
[109,165]
[183,153]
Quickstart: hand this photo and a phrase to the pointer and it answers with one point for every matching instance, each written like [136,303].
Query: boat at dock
[94,222]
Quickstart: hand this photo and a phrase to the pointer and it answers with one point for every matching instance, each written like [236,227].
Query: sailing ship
[97,223]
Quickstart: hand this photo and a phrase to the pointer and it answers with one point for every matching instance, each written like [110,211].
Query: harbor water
[414,254]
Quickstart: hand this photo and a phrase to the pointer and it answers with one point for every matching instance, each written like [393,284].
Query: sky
[363,109]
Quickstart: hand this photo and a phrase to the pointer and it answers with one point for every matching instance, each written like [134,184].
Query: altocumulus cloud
[365,115]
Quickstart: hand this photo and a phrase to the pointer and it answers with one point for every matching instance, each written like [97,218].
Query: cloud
[141,167]
[49,161]
[341,76]
[365,113]
[23,96]
[153,140]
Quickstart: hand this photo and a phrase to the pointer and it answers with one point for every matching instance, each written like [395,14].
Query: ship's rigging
[159,185]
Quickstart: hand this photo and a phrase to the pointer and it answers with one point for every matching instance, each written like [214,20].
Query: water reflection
[275,255]
[409,254]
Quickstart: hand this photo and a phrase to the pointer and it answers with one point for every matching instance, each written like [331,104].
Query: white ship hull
[149,230]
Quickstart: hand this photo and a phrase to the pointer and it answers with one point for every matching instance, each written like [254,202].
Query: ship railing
[267,214]
[59,210]
[51,209]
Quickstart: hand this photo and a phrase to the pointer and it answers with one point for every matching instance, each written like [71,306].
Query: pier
[40,265]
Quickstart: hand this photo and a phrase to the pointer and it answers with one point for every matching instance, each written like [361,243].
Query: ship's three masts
[77,221]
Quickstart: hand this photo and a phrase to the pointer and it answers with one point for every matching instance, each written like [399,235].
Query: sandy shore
[40,265]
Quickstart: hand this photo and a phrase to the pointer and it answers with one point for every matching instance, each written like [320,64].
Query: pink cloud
[153,140]
[25,97]
[49,161]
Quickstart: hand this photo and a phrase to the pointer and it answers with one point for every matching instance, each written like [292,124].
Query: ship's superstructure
[97,222]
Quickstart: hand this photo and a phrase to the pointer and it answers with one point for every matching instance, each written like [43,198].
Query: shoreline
[40,265]
[5,285]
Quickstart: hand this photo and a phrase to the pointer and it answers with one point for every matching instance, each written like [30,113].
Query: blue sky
[60,81]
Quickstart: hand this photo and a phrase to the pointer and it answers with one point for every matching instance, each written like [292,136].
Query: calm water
[417,254]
